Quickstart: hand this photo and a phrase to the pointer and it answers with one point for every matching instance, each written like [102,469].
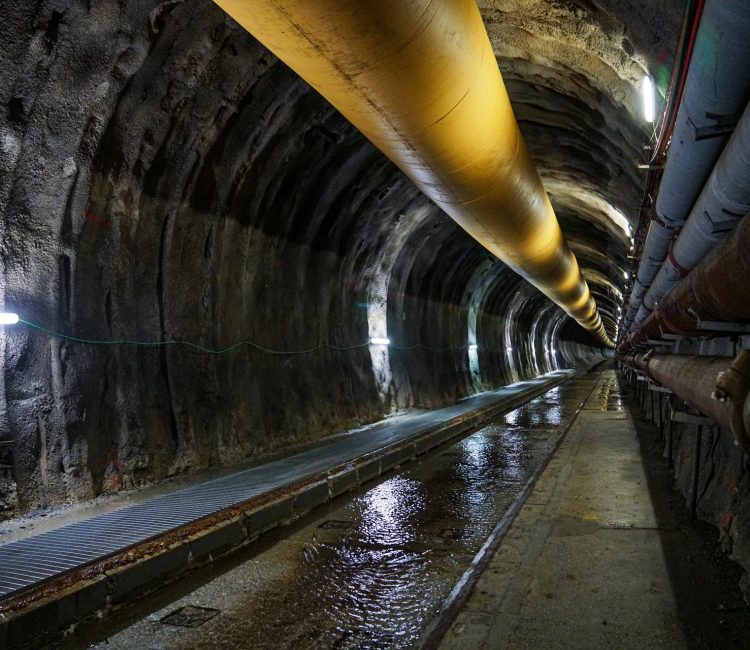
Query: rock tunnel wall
[165,179]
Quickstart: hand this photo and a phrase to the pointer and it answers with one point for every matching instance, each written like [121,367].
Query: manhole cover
[336,524]
[190,616]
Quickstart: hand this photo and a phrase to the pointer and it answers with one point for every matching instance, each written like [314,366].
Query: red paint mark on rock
[94,219]
[113,474]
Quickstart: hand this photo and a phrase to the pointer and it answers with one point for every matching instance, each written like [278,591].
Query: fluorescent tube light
[649,106]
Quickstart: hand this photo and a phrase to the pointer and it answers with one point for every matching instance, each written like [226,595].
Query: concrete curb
[55,609]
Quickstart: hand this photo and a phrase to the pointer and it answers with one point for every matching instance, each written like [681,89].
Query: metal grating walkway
[38,558]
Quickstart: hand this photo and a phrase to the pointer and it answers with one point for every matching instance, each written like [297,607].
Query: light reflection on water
[388,510]
[380,573]
[512,417]
[377,583]
[489,461]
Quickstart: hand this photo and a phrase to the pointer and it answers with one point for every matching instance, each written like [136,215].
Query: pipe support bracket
[733,385]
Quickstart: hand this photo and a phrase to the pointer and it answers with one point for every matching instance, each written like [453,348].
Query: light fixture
[8,318]
[649,107]
[626,275]
[473,346]
[379,340]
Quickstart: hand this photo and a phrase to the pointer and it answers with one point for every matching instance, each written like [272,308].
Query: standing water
[374,567]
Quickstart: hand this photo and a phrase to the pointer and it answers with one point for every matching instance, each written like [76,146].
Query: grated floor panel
[26,562]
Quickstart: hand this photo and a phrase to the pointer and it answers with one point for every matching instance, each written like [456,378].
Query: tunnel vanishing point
[257,256]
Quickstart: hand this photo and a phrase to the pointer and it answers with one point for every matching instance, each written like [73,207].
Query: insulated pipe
[723,202]
[419,79]
[636,296]
[717,290]
[654,250]
[716,91]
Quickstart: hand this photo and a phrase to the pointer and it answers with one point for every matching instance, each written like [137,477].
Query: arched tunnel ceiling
[165,177]
[571,69]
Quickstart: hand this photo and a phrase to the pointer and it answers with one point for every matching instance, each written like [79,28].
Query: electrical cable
[686,57]
[195,346]
[189,344]
[688,33]
[427,347]
[677,69]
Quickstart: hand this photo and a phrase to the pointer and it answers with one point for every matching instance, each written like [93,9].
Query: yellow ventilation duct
[420,80]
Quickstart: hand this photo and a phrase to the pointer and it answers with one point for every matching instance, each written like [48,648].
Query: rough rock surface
[163,177]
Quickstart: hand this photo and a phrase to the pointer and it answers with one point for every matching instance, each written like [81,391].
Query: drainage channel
[58,581]
[373,568]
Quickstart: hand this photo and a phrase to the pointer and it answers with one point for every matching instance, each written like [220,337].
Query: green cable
[200,348]
[195,346]
[427,347]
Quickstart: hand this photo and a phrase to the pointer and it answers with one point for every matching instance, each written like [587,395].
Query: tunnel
[357,324]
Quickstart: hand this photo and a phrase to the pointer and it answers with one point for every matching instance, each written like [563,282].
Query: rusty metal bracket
[723,125]
[733,385]
[691,418]
[720,326]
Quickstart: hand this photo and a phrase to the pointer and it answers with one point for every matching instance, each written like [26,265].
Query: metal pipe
[692,378]
[715,93]
[719,387]
[733,389]
[714,291]
[419,79]
[723,202]
[688,35]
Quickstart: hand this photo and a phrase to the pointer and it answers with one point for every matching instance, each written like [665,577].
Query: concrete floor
[602,554]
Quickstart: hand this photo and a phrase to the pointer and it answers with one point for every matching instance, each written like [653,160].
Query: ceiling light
[7,318]
[649,106]
[379,340]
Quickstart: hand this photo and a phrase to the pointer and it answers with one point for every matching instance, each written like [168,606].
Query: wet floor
[371,569]
[605,554]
